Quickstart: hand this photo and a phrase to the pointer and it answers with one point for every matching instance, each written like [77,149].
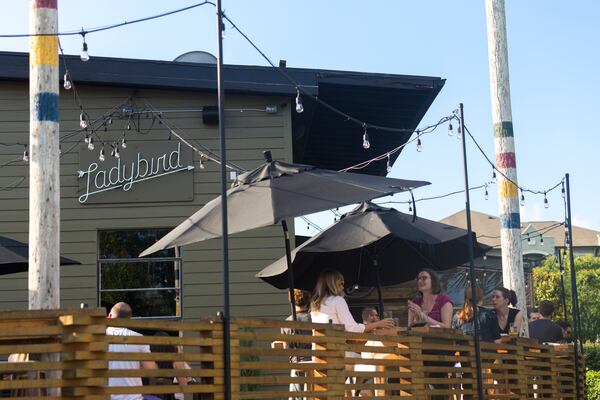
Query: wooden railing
[421,363]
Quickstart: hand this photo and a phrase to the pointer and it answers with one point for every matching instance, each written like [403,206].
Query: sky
[553,60]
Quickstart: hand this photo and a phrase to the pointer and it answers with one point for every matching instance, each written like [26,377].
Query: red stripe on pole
[46,4]
[506,160]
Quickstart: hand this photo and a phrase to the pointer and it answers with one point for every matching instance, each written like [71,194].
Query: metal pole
[224,238]
[471,257]
[563,296]
[574,299]
[288,257]
[504,143]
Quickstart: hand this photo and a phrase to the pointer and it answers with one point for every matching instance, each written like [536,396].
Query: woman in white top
[328,304]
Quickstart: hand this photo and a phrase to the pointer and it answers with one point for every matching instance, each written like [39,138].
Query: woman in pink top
[432,307]
[328,304]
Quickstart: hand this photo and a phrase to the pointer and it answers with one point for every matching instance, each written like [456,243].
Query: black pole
[471,258]
[574,299]
[379,296]
[563,296]
[224,238]
[288,256]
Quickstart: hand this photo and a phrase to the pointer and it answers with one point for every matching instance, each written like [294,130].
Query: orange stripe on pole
[45,50]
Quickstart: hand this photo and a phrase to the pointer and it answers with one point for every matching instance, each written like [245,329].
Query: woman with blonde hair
[465,318]
[328,304]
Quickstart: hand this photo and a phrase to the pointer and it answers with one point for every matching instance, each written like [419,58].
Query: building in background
[133,114]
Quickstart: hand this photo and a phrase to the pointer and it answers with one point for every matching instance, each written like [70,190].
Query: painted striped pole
[44,167]
[508,193]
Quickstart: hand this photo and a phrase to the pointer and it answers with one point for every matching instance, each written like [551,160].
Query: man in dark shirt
[544,329]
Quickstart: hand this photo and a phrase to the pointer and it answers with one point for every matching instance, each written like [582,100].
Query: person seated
[533,314]
[489,331]
[170,380]
[431,307]
[369,315]
[543,329]
[566,330]
[506,316]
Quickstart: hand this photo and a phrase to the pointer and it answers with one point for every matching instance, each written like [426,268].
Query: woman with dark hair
[505,315]
[431,307]
[465,318]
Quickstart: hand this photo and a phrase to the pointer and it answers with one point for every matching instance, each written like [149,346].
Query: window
[151,285]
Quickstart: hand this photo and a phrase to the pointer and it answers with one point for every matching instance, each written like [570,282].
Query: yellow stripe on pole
[507,189]
[45,50]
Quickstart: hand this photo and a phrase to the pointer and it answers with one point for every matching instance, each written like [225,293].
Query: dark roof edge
[192,76]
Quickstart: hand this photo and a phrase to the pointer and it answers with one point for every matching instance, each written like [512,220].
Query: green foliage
[592,355]
[248,387]
[547,286]
[592,379]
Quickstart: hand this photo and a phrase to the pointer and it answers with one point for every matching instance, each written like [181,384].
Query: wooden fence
[68,354]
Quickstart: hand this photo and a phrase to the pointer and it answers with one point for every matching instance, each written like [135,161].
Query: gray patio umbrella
[375,246]
[14,256]
[277,191]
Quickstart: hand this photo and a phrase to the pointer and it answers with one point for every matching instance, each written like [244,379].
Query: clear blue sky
[553,55]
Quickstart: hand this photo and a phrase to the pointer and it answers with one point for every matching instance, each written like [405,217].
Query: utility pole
[508,193]
[44,166]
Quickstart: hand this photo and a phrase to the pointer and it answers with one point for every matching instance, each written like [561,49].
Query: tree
[547,283]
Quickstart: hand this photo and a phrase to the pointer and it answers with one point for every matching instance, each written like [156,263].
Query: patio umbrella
[14,256]
[375,246]
[276,191]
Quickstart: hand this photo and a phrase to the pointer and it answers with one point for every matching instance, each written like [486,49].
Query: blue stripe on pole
[46,104]
[510,221]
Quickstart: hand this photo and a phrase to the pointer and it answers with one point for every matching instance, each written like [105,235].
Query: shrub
[592,379]
[592,356]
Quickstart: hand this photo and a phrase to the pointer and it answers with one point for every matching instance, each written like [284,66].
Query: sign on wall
[144,172]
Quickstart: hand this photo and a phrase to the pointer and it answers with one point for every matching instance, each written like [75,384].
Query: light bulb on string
[86,140]
[25,155]
[123,142]
[67,82]
[494,179]
[101,157]
[528,239]
[90,143]
[459,132]
[388,166]
[450,129]
[366,144]
[109,121]
[83,124]
[541,240]
[419,144]
[487,194]
[299,106]
[410,209]
[562,190]
[546,204]
[201,165]
[59,149]
[522,198]
[85,56]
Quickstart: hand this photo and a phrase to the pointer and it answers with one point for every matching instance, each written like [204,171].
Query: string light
[486,195]
[459,132]
[83,120]
[546,204]
[123,142]
[115,152]
[25,155]
[299,106]
[366,144]
[450,131]
[541,240]
[528,239]
[410,209]
[562,190]
[419,144]
[59,149]
[201,162]
[389,166]
[101,157]
[85,57]
[522,198]
[67,81]
[494,179]
[90,142]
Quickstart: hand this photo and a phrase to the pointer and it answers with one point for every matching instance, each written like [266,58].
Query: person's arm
[182,380]
[446,315]
[149,365]
[519,321]
[411,317]
[345,317]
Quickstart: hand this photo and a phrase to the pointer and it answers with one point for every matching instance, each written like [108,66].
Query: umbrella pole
[379,296]
[471,261]
[288,257]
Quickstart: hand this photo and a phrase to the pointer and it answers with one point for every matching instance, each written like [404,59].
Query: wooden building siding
[248,133]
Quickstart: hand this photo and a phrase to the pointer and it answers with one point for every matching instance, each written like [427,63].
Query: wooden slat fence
[423,363]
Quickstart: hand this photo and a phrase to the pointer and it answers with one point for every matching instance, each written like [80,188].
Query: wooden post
[44,168]
[508,193]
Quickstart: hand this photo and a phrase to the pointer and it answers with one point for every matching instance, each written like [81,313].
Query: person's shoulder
[443,298]
[121,332]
